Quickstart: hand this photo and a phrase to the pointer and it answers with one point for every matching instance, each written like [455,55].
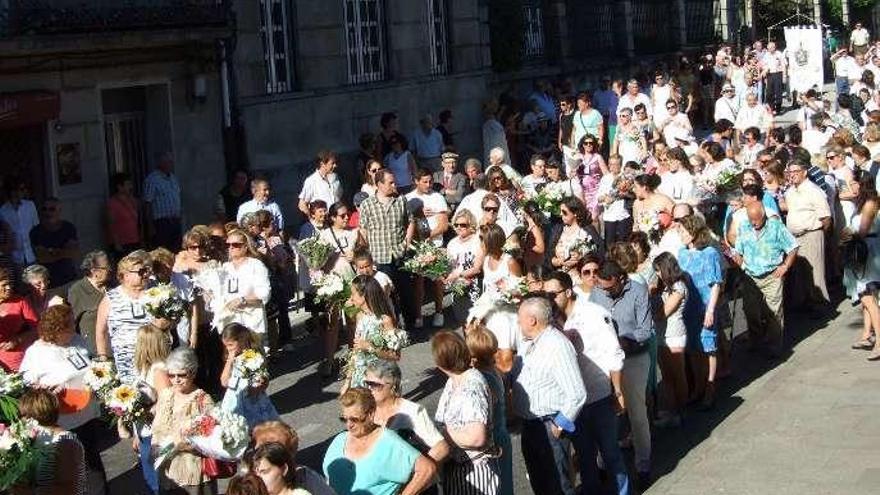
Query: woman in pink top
[593,168]
[123,222]
[18,323]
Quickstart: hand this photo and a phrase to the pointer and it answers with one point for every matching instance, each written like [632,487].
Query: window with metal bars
[533,22]
[277,48]
[365,39]
[437,36]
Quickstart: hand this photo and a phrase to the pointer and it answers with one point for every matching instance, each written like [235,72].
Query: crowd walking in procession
[574,277]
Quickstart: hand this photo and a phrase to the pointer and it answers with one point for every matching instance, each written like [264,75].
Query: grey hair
[387,371]
[538,307]
[182,359]
[90,260]
[34,271]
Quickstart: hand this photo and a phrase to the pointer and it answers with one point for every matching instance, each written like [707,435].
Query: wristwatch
[242,301]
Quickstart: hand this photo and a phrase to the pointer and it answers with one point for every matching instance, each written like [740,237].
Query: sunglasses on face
[589,143]
[462,225]
[372,385]
[352,419]
[194,247]
[143,272]
[235,245]
[490,209]
[181,376]
[589,272]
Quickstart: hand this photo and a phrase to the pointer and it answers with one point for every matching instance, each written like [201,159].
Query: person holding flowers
[245,376]
[17,325]
[342,238]
[123,311]
[574,239]
[498,269]
[58,362]
[466,254]
[176,407]
[652,210]
[376,334]
[180,302]
[247,288]
[61,466]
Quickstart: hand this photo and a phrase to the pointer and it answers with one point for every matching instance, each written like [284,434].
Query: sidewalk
[806,425]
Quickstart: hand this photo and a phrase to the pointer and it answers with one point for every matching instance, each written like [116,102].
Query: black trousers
[773,93]
[617,231]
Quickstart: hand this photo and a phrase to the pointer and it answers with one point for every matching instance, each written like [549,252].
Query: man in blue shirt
[765,250]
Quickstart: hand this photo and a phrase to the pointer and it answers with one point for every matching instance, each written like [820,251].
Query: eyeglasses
[590,272]
[374,170]
[671,107]
[564,212]
[497,177]
[181,376]
[235,245]
[143,272]
[194,247]
[344,215]
[374,385]
[490,209]
[352,419]
[462,225]
[589,143]
[829,157]
[100,267]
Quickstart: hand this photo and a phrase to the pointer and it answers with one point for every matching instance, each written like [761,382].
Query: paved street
[801,425]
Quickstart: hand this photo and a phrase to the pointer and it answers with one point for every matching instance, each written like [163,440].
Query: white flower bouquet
[504,295]
[127,402]
[549,200]
[162,301]
[251,364]
[713,187]
[11,387]
[331,289]
[211,281]
[220,434]
[19,452]
[580,246]
[316,251]
[381,339]
[100,377]
[429,261]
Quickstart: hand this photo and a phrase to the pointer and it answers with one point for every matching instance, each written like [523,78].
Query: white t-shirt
[251,278]
[615,211]
[415,418]
[326,189]
[599,351]
[433,205]
[51,365]
[677,185]
[859,37]
[813,140]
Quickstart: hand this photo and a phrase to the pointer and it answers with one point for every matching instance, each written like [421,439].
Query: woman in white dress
[661,92]
[862,271]
[247,288]
[499,266]
[629,142]
[466,253]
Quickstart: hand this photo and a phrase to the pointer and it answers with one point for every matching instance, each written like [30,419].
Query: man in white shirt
[436,212]
[633,97]
[427,144]
[859,39]
[590,329]
[843,64]
[727,107]
[817,136]
[261,192]
[21,216]
[774,73]
[322,184]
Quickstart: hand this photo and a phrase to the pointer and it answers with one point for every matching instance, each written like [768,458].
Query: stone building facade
[89,91]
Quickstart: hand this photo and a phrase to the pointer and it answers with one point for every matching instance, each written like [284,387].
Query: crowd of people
[631,235]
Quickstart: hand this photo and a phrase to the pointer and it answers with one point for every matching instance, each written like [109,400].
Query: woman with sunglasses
[467,254]
[589,270]
[674,124]
[122,312]
[247,286]
[343,238]
[501,186]
[176,407]
[591,170]
[576,228]
[369,185]
[368,459]
[629,142]
[408,419]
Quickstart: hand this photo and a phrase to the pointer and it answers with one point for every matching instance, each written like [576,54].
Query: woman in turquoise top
[368,459]
[702,264]
[482,345]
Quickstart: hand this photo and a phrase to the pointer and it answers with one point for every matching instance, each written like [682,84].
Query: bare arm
[672,303]
[303,207]
[424,471]
[439,451]
[102,334]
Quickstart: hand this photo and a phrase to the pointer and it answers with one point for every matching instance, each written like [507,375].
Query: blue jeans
[149,472]
[842,85]
[546,458]
[596,430]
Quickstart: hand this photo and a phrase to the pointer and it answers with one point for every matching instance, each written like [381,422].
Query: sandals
[874,356]
[863,345]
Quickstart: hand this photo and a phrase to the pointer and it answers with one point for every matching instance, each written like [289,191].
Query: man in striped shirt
[548,394]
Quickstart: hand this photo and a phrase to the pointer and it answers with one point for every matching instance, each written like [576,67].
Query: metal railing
[48,17]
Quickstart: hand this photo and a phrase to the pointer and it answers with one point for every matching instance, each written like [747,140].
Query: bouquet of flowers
[504,295]
[713,186]
[428,261]
[548,200]
[100,377]
[653,223]
[581,246]
[331,289]
[316,251]
[381,339]
[219,434]
[460,287]
[251,364]
[126,402]
[19,451]
[163,302]
[11,387]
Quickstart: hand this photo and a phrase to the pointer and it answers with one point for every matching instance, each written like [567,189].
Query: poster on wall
[803,49]
[69,165]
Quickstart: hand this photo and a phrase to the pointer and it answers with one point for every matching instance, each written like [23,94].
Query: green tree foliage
[506,26]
